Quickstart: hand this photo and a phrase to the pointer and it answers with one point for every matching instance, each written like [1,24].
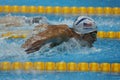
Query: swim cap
[84,24]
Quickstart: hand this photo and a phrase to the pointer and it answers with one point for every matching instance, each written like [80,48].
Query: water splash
[11,51]
[66,21]
[70,47]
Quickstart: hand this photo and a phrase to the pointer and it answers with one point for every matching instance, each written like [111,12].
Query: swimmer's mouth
[90,43]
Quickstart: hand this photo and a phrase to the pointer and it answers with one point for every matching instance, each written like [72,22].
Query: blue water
[104,22]
[58,76]
[78,3]
[104,50]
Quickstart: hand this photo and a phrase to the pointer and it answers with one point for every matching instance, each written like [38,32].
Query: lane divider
[109,34]
[60,10]
[100,34]
[61,66]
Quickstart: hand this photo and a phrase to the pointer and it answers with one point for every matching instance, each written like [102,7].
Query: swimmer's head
[36,20]
[86,27]
[39,20]
[84,24]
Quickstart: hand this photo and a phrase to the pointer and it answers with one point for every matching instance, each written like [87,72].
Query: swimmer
[84,30]
[17,21]
[36,20]
[39,20]
[9,20]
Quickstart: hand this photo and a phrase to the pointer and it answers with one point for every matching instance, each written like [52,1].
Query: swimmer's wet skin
[84,29]
[55,34]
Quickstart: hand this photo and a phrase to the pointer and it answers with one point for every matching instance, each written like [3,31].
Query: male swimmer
[17,21]
[84,30]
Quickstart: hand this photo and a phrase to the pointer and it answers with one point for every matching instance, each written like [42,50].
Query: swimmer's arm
[39,43]
[53,44]
[50,35]
[34,47]
[35,43]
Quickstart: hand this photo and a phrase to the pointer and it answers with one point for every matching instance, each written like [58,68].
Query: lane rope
[24,34]
[60,10]
[61,66]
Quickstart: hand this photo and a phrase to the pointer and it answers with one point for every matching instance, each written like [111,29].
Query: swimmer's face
[90,37]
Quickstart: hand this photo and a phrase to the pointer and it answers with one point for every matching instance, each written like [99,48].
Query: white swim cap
[84,24]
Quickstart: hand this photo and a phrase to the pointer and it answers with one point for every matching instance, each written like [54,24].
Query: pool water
[58,76]
[78,3]
[104,50]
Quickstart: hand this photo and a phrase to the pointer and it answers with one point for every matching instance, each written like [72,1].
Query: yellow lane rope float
[60,10]
[61,66]
[24,34]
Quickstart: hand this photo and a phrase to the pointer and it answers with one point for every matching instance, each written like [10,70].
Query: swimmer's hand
[33,44]
[34,47]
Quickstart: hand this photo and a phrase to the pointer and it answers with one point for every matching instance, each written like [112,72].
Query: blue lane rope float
[61,66]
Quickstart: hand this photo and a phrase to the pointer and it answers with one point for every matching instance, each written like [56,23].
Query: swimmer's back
[60,29]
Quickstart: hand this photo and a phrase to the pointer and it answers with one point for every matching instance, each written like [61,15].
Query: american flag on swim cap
[87,24]
[84,24]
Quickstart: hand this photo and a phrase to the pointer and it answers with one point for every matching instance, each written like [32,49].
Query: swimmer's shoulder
[41,25]
[60,26]
[52,25]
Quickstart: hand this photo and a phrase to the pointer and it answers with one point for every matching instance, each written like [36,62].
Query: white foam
[11,50]
[69,22]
